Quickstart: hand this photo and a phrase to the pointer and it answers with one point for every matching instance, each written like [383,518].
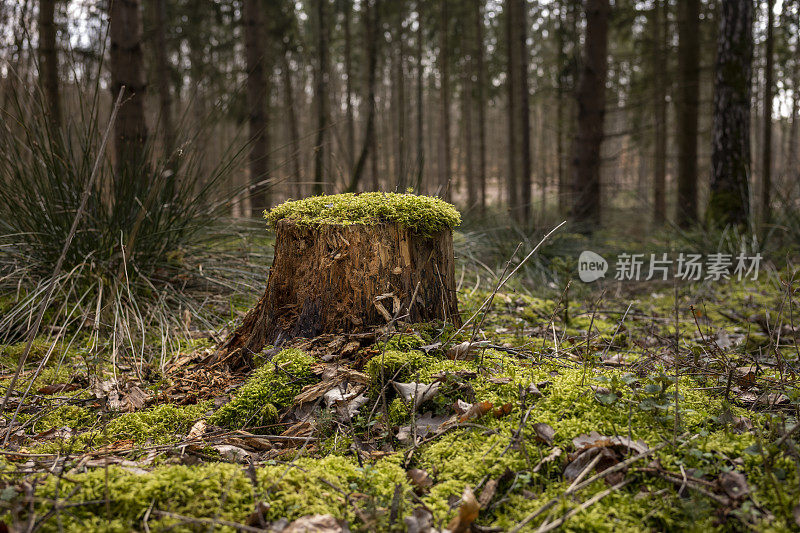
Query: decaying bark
[347,279]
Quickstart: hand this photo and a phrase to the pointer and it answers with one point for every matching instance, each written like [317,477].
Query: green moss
[210,491]
[394,365]
[402,342]
[157,425]
[71,416]
[424,215]
[271,388]
[317,486]
[223,491]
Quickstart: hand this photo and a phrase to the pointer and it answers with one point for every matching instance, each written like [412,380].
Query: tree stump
[334,274]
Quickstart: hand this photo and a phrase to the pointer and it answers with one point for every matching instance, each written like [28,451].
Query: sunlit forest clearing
[408,265]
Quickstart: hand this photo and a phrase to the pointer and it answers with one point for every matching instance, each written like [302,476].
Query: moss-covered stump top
[423,215]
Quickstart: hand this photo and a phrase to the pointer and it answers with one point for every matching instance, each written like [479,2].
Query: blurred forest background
[537,108]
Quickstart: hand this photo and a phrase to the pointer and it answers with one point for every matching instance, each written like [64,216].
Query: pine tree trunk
[256,102]
[512,187]
[688,109]
[370,16]
[523,98]
[444,72]
[321,96]
[466,114]
[586,189]
[480,95]
[766,154]
[729,201]
[159,8]
[420,102]
[294,129]
[348,68]
[347,279]
[400,90]
[659,111]
[130,128]
[48,60]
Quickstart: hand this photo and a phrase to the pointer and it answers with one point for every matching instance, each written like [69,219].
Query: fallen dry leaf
[503,410]
[734,484]
[58,387]
[419,521]
[475,410]
[488,493]
[423,426]
[544,433]
[467,513]
[462,351]
[418,393]
[197,431]
[232,453]
[419,478]
[318,523]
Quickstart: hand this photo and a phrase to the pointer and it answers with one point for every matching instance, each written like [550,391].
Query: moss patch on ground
[330,485]
[424,215]
[271,388]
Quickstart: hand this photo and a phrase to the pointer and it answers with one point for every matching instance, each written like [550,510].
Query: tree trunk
[348,67]
[130,128]
[523,98]
[688,109]
[321,96]
[480,95]
[512,189]
[466,114]
[159,8]
[766,155]
[346,279]
[256,102]
[420,102]
[730,159]
[444,72]
[294,130]
[48,60]
[586,191]
[371,33]
[561,65]
[400,91]
[659,111]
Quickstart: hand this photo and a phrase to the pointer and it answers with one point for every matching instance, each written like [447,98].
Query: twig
[503,282]
[585,505]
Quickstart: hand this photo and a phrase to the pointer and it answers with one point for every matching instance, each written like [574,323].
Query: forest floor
[620,406]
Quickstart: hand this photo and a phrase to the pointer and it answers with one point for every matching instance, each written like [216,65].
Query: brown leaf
[423,425]
[58,387]
[419,478]
[197,431]
[318,523]
[462,351]
[594,439]
[583,459]
[488,493]
[476,410]
[418,393]
[734,484]
[419,521]
[503,410]
[544,433]
[467,513]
